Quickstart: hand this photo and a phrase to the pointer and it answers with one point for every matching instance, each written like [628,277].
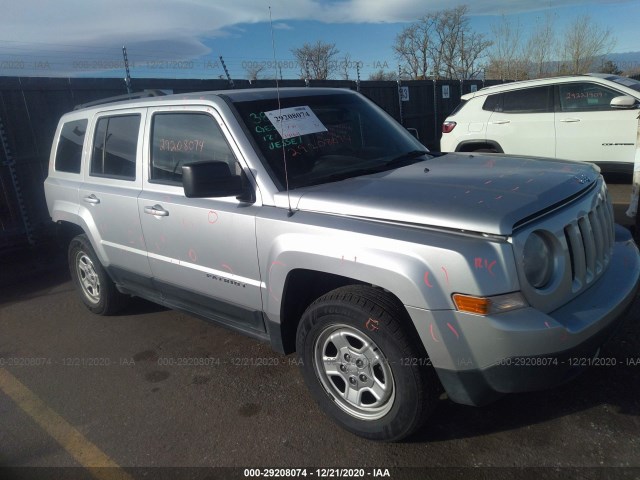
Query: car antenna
[284,153]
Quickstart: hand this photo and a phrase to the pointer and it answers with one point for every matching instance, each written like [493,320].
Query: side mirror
[623,101]
[210,179]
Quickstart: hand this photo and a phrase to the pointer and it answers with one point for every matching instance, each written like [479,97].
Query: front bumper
[478,359]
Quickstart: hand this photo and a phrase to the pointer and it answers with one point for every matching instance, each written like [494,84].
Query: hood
[474,192]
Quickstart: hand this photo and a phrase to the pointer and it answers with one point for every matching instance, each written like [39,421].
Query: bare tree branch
[584,42]
[317,61]
[441,44]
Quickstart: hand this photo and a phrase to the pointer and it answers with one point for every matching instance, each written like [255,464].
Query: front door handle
[500,122]
[570,120]
[156,210]
[92,199]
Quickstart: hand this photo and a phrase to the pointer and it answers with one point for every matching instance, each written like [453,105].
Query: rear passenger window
[181,138]
[115,146]
[584,97]
[69,152]
[527,100]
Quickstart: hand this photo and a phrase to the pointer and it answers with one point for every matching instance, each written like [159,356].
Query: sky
[185,38]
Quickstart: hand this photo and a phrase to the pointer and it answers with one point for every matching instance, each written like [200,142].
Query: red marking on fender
[490,266]
[192,255]
[432,334]
[227,267]
[446,274]
[426,280]
[372,325]
[479,262]
[455,332]
[212,216]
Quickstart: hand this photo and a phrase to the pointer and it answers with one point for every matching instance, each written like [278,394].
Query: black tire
[371,326]
[96,289]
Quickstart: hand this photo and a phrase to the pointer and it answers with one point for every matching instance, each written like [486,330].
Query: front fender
[422,268]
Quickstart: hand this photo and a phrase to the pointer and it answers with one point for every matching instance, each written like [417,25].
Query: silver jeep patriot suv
[310,219]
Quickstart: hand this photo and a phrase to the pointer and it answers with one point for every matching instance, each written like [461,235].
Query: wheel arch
[474,145]
[302,288]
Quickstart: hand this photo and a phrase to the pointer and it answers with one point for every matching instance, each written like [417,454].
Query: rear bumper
[478,359]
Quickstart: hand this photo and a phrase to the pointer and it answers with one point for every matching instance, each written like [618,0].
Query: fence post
[400,95]
[10,162]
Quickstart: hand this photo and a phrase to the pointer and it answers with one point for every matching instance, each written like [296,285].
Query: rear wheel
[358,356]
[97,290]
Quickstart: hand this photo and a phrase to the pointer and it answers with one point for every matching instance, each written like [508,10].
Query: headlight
[538,260]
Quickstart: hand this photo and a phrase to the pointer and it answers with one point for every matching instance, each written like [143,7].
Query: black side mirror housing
[210,179]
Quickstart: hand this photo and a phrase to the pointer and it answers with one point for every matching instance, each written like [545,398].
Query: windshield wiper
[406,156]
[388,165]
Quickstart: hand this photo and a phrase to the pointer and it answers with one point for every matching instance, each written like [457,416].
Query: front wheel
[363,366]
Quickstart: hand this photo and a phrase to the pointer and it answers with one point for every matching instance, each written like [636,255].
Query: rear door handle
[500,122]
[92,199]
[570,120]
[156,210]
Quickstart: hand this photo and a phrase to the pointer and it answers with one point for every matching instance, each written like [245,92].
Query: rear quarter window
[69,151]
[493,103]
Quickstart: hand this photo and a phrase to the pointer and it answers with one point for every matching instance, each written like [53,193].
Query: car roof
[504,87]
[240,95]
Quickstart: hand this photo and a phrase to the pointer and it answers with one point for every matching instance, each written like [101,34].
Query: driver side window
[181,138]
[585,97]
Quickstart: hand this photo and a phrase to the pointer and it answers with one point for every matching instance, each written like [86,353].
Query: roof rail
[126,96]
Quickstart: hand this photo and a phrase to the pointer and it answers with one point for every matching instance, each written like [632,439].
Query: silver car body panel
[449,224]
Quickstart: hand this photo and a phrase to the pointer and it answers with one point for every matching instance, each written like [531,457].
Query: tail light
[448,127]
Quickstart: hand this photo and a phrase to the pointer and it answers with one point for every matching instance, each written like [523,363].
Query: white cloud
[282,26]
[177,28]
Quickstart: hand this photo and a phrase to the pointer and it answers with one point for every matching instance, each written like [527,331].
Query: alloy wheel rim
[354,371]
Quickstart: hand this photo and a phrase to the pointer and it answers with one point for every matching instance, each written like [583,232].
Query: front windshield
[627,82]
[350,136]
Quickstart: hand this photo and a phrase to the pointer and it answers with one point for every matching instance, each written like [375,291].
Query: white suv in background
[590,118]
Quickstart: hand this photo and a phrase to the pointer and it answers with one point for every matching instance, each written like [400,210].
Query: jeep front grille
[590,242]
